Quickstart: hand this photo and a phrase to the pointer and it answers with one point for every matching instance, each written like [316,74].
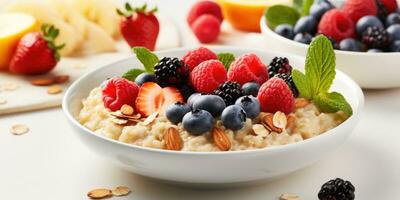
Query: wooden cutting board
[23,96]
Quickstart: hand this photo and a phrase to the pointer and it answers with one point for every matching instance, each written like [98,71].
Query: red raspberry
[204,7]
[356,9]
[195,57]
[274,95]
[390,5]
[248,68]
[337,25]
[207,76]
[119,91]
[206,28]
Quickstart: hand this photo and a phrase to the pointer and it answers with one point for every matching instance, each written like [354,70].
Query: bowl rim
[345,78]
[268,31]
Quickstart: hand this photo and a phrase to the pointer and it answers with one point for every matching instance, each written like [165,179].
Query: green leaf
[332,102]
[280,14]
[146,57]
[298,5]
[302,84]
[320,65]
[306,7]
[226,59]
[132,74]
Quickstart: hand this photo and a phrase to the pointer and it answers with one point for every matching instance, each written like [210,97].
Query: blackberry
[229,91]
[171,72]
[279,65]
[289,81]
[337,189]
[375,37]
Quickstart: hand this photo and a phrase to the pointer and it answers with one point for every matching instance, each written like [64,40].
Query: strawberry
[36,53]
[139,27]
[153,98]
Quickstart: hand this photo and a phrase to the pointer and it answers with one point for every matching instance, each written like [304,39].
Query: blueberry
[395,47]
[393,18]
[307,24]
[186,91]
[175,112]
[211,103]
[367,21]
[319,9]
[394,32]
[251,88]
[350,44]
[145,77]
[233,117]
[250,105]
[285,30]
[192,98]
[304,38]
[198,122]
[374,51]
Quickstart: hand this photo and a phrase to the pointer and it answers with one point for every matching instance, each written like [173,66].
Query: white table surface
[51,163]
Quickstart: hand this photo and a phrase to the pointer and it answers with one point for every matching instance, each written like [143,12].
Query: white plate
[211,167]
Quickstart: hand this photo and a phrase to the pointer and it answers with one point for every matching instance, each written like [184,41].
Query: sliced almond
[120,121]
[119,114]
[127,109]
[301,103]
[55,89]
[121,191]
[260,130]
[268,123]
[42,81]
[150,119]
[19,129]
[9,86]
[289,197]
[60,79]
[173,140]
[279,120]
[100,193]
[3,100]
[290,122]
[221,140]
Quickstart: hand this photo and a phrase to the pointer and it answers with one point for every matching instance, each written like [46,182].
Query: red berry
[390,5]
[206,28]
[274,95]
[207,76]
[204,7]
[337,25]
[356,9]
[195,57]
[119,91]
[248,68]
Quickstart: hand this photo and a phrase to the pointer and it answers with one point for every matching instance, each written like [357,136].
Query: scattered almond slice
[3,100]
[19,129]
[268,123]
[301,103]
[172,139]
[221,140]
[260,130]
[120,121]
[42,81]
[121,191]
[279,120]
[289,197]
[9,86]
[100,193]
[127,109]
[60,79]
[150,119]
[55,89]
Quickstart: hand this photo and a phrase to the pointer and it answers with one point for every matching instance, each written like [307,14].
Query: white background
[51,163]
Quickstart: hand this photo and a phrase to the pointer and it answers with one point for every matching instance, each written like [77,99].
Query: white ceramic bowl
[369,70]
[210,167]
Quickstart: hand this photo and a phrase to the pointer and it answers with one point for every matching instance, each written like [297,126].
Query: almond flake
[55,89]
[120,121]
[279,120]
[3,100]
[19,129]
[221,140]
[301,103]
[60,79]
[42,81]
[289,197]
[172,139]
[150,119]
[127,109]
[267,121]
[260,130]
[100,193]
[9,86]
[121,191]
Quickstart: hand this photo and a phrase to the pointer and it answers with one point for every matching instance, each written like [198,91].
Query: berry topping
[176,111]
[229,91]
[145,77]
[366,22]
[211,103]
[289,81]
[336,24]
[375,37]
[207,76]
[204,7]
[247,68]
[393,18]
[390,5]
[351,44]
[233,117]
[394,32]
[395,47]
[279,65]
[275,95]
[285,30]
[198,122]
[206,28]
[192,98]
[171,72]
[320,8]
[186,91]
[250,105]
[251,88]
[195,57]
[307,24]
[355,9]
[119,91]
[152,98]
[337,189]
[304,38]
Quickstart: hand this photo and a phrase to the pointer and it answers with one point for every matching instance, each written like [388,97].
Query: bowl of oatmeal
[241,145]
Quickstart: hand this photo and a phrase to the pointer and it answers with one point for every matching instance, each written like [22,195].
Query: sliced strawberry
[171,96]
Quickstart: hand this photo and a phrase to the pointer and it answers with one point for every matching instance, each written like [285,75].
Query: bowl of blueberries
[364,33]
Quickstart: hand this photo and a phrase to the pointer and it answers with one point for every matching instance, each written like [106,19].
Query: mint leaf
[280,14]
[132,74]
[298,5]
[226,59]
[332,102]
[306,7]
[302,84]
[146,57]
[320,65]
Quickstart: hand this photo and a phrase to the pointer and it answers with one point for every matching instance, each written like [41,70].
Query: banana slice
[96,40]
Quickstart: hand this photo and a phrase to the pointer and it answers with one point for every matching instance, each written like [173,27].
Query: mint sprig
[147,58]
[281,14]
[226,59]
[318,78]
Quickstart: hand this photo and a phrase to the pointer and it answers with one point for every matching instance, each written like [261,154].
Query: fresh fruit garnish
[390,5]
[13,26]
[337,25]
[145,77]
[198,122]
[350,44]
[118,92]
[285,30]
[394,32]
[393,18]
[337,189]
[366,22]
[204,7]
[307,24]
[171,72]
[251,88]
[229,91]
[194,57]
[139,26]
[304,38]
[207,76]
[153,98]
[211,103]
[36,53]
[247,68]
[320,8]
[233,117]
[176,111]
[289,81]
[250,105]
[279,65]
[395,47]
[275,95]
[192,98]
[375,37]
[206,28]
[355,9]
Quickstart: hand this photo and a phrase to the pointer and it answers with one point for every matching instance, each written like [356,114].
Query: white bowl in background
[210,167]
[369,70]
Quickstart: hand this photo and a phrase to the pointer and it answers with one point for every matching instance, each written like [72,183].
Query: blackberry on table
[337,189]
[375,37]
[279,65]
[289,81]
[171,72]
[229,91]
